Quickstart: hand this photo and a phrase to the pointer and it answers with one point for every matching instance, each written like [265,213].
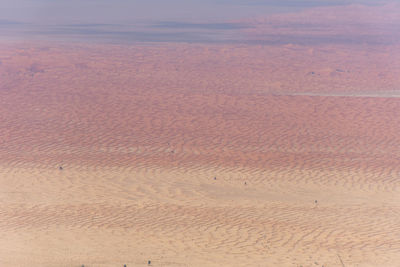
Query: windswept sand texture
[141,132]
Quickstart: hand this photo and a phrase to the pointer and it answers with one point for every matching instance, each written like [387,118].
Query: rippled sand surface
[198,156]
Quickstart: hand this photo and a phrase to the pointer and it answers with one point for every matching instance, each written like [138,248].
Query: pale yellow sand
[139,164]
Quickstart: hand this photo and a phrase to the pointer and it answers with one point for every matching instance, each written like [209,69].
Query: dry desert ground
[195,155]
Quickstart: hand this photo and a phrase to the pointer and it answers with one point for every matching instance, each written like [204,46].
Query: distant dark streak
[9,22]
[205,26]
[227,33]
[211,37]
[96,25]
[127,35]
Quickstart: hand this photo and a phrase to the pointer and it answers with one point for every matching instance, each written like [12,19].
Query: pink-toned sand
[303,142]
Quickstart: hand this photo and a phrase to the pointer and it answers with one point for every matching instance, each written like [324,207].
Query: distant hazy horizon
[122,11]
[154,21]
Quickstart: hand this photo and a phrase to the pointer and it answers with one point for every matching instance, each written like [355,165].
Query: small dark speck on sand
[60,168]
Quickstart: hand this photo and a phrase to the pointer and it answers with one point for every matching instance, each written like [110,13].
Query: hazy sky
[128,11]
[163,20]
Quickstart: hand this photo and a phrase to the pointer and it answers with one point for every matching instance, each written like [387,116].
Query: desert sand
[194,155]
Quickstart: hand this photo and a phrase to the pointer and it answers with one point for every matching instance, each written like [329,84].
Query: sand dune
[304,176]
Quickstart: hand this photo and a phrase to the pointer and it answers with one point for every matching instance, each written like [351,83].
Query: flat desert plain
[195,155]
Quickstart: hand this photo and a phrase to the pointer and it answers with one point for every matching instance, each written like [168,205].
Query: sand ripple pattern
[141,132]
